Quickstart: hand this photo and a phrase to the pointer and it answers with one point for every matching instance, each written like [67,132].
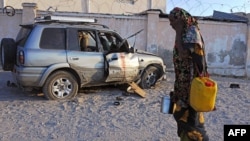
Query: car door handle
[74,58]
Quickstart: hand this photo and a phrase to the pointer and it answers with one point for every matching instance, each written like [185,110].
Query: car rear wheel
[60,85]
[149,77]
[8,54]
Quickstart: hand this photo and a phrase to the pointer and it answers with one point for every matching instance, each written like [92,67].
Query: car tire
[60,85]
[8,53]
[149,77]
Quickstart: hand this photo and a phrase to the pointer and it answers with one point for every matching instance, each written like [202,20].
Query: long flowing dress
[190,124]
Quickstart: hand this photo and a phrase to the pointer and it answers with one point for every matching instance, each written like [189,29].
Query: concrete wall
[226,47]
[10,25]
[227,43]
[91,6]
[125,6]
[59,5]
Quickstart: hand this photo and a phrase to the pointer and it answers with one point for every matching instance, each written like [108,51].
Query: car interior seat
[83,41]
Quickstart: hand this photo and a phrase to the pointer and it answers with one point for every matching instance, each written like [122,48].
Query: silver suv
[60,55]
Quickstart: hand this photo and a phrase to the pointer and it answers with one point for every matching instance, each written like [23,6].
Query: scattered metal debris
[119,98]
[11,84]
[126,93]
[234,86]
[117,103]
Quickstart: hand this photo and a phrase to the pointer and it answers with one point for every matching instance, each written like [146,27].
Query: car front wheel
[60,85]
[149,77]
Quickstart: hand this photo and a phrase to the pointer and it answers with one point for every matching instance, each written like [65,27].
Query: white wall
[92,6]
[227,43]
[10,25]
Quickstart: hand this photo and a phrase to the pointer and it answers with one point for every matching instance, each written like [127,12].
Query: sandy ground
[92,115]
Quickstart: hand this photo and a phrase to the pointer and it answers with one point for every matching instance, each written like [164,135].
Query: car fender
[146,61]
[52,69]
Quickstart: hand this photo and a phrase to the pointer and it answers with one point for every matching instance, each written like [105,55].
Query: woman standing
[189,61]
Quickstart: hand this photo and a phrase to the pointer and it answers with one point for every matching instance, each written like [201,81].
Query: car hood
[145,52]
[149,57]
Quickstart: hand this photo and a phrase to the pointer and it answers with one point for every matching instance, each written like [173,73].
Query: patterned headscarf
[185,16]
[191,30]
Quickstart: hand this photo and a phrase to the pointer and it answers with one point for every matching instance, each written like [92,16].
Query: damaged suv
[60,55]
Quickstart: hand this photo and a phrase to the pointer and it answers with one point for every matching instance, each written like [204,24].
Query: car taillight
[21,57]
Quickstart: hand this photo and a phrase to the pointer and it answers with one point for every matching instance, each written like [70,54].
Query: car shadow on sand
[10,92]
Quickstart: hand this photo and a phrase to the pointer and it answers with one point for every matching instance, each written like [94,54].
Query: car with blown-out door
[60,55]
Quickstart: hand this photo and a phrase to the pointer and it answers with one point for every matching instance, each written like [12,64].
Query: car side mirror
[131,50]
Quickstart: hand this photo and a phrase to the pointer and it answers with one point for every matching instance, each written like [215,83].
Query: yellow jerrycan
[203,94]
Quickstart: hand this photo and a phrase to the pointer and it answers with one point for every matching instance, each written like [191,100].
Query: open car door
[122,67]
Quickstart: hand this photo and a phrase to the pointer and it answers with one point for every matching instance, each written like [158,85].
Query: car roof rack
[63,19]
[68,20]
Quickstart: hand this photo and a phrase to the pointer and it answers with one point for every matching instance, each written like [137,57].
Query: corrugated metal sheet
[228,17]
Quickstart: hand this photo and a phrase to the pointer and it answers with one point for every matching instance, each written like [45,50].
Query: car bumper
[27,77]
